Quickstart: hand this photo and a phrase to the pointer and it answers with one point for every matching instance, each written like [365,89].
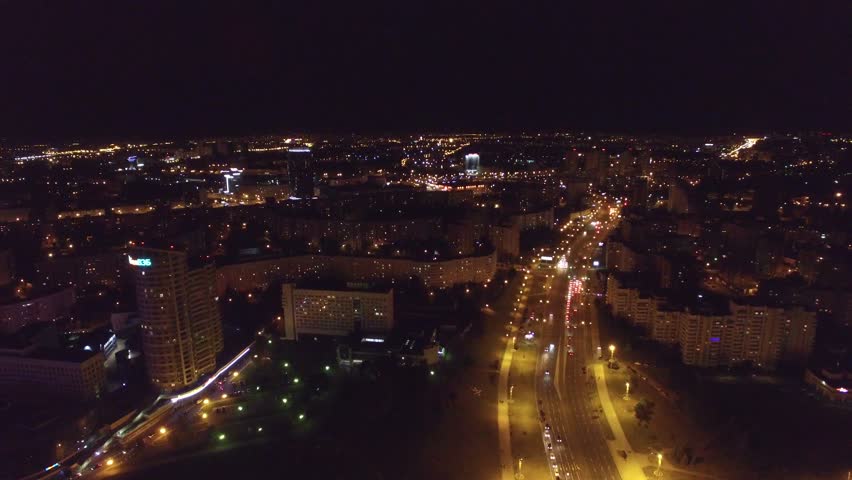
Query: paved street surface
[558,387]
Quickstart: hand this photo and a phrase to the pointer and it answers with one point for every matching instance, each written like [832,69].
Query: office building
[335,312]
[301,171]
[32,369]
[471,164]
[181,323]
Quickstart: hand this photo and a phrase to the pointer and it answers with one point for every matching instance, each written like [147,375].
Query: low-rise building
[717,331]
[260,273]
[336,312]
[76,374]
[18,313]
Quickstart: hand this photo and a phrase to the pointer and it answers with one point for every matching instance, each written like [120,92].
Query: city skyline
[402,240]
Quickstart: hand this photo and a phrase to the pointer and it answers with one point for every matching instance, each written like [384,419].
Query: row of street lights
[658,472]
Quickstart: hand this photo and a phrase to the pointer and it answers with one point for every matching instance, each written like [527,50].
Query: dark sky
[102,68]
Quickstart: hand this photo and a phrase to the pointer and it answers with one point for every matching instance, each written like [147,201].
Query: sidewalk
[632,467]
[505,440]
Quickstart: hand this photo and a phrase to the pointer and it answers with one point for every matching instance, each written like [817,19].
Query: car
[546,373]
[550,446]
[555,467]
[547,427]
[559,439]
[552,457]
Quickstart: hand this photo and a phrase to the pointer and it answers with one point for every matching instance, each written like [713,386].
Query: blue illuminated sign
[139,262]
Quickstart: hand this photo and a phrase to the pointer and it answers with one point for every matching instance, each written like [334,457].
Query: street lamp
[658,472]
[611,353]
[627,390]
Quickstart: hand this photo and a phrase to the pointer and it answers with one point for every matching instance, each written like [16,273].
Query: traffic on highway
[573,436]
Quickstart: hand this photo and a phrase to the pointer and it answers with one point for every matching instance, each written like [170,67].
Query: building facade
[259,274]
[181,323]
[301,172]
[334,312]
[75,375]
[471,164]
[743,333]
[43,308]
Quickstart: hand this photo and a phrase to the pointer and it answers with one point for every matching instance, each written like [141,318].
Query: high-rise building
[471,164]
[300,167]
[181,324]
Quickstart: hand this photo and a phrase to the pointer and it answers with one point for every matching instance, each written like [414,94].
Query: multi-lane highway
[574,437]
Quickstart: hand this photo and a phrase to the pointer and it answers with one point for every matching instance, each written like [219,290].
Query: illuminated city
[394,242]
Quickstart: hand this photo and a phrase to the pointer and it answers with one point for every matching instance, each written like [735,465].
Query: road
[104,456]
[565,386]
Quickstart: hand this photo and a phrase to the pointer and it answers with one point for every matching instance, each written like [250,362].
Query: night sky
[125,69]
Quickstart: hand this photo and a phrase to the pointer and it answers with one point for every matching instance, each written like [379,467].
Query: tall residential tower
[300,167]
[181,324]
